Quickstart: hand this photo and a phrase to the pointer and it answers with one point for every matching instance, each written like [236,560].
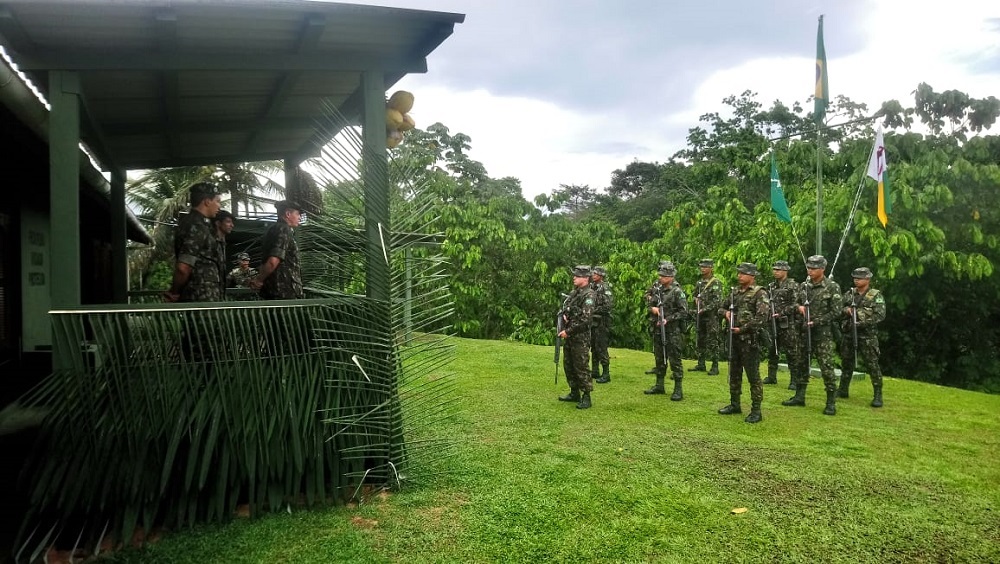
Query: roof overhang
[194,82]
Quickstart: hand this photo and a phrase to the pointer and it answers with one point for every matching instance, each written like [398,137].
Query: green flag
[778,195]
[822,87]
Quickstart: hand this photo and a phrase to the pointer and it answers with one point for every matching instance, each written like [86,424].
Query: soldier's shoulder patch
[589,301]
[879,299]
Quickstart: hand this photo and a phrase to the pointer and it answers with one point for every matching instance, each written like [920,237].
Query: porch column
[119,258]
[64,188]
[375,178]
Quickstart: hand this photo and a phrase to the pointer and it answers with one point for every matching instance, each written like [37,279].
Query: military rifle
[559,330]
[774,322]
[697,322]
[732,325]
[854,321]
[809,338]
[663,330]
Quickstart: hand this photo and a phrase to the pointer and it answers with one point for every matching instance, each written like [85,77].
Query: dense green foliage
[638,478]
[936,261]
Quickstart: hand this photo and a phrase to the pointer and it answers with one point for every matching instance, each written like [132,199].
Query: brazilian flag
[822,87]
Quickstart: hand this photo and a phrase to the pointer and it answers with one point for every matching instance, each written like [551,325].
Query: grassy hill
[641,478]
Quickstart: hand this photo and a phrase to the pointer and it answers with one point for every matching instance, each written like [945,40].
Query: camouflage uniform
[750,309]
[285,283]
[870,312]
[600,330]
[672,300]
[708,299]
[196,246]
[784,301]
[239,278]
[577,311]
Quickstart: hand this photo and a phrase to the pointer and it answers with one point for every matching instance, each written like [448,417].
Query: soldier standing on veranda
[669,302]
[708,298]
[825,307]
[576,313]
[197,274]
[749,304]
[600,326]
[280,277]
[870,306]
[222,226]
[783,294]
[241,276]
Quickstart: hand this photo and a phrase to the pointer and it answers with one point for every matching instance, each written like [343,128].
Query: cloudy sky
[566,91]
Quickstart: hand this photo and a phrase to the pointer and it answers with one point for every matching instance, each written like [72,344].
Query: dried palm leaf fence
[173,414]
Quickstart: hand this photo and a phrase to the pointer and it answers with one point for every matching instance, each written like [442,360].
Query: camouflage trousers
[709,335]
[576,357]
[674,345]
[600,335]
[745,357]
[788,345]
[868,347]
[823,350]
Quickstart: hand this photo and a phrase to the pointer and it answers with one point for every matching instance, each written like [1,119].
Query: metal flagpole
[819,191]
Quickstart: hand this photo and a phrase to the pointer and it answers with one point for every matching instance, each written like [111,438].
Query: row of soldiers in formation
[797,320]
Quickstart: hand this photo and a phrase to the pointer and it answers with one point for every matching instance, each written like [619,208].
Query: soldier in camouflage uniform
[241,276]
[870,307]
[821,297]
[222,226]
[746,311]
[668,303]
[653,320]
[600,328]
[783,293]
[197,274]
[576,316]
[707,299]
[280,277]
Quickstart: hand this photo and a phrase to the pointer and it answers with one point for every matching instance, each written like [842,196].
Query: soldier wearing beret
[707,299]
[668,306]
[864,308]
[783,293]
[197,273]
[746,311]
[576,317]
[600,327]
[280,277]
[822,304]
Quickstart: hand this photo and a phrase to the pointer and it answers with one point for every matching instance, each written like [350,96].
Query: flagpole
[819,192]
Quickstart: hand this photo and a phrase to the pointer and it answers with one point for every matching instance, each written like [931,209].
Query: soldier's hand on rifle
[802,309]
[728,314]
[562,334]
[655,311]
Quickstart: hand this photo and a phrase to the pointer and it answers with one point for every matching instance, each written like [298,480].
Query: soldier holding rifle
[707,299]
[747,311]
[668,305]
[821,305]
[783,293]
[864,308]
[576,318]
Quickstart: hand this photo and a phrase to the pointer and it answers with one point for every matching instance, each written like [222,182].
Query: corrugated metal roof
[192,82]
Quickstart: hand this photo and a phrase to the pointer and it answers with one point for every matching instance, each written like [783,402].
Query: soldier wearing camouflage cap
[708,325]
[864,309]
[241,276]
[746,310]
[646,297]
[668,306]
[600,330]
[783,293]
[821,302]
[576,316]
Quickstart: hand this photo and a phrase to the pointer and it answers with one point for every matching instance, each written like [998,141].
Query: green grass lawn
[640,478]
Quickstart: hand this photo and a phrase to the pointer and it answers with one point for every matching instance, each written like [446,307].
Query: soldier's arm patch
[879,299]
[589,301]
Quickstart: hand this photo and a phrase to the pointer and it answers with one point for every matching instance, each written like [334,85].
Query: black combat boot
[755,416]
[772,375]
[734,406]
[831,403]
[584,401]
[715,368]
[877,400]
[651,371]
[594,370]
[678,394]
[799,398]
[791,384]
[700,367]
[605,376]
[845,384]
[657,388]
[573,395]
